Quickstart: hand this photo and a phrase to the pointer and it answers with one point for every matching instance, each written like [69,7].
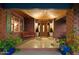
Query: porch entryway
[44,28]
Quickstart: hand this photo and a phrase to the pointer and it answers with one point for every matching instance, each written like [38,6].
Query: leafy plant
[1,44]
[37,30]
[10,42]
[74,45]
[62,41]
[51,30]
[18,40]
[63,48]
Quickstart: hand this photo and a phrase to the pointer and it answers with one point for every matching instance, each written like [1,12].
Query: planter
[10,51]
[37,34]
[51,34]
[64,49]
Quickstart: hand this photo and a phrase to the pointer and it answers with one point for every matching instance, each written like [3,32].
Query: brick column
[76,22]
[70,22]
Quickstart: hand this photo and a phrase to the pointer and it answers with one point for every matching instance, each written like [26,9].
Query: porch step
[38,52]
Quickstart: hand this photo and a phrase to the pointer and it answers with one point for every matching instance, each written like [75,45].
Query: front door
[43,29]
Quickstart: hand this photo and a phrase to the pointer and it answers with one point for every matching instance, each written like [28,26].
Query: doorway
[44,27]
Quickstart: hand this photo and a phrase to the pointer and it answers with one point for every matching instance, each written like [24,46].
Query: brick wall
[2,23]
[28,25]
[70,20]
[76,22]
[73,22]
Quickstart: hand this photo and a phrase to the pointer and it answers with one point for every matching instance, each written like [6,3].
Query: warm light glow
[52,25]
[45,14]
[43,28]
[36,26]
[15,24]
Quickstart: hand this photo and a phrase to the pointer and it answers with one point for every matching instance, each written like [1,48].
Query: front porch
[40,29]
[39,46]
[40,42]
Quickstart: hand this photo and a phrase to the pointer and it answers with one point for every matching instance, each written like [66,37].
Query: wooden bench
[27,34]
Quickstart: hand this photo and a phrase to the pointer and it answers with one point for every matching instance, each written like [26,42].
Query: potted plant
[73,43]
[72,48]
[75,46]
[10,44]
[51,32]
[18,40]
[37,32]
[63,48]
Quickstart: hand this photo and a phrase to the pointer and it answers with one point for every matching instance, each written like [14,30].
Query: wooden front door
[43,29]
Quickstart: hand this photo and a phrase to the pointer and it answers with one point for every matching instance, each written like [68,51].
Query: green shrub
[18,40]
[51,30]
[10,42]
[62,41]
[1,44]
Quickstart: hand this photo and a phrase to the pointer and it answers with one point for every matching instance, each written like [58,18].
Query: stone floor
[40,42]
[39,46]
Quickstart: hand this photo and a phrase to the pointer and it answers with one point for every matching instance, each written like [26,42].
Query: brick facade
[69,22]
[76,20]
[2,23]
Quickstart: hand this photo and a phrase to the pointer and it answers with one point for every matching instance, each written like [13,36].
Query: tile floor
[40,42]
[39,46]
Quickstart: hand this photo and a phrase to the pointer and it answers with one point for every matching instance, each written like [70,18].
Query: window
[16,24]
